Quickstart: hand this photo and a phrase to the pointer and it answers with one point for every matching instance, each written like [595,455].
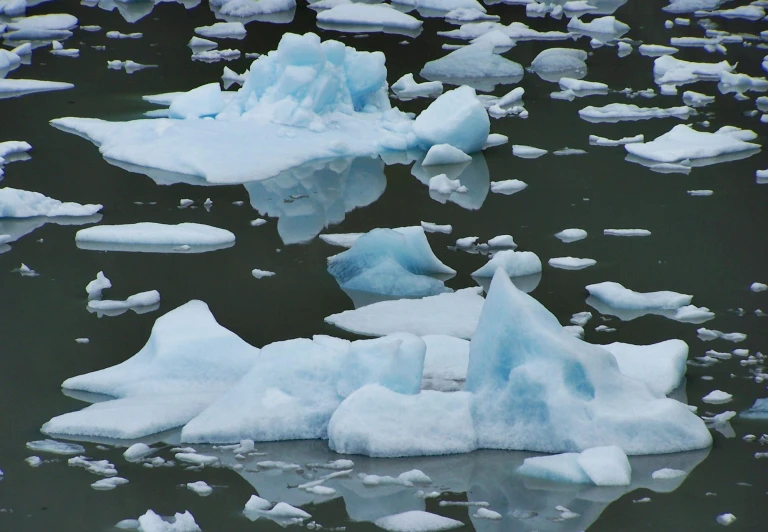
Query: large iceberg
[188,361]
[538,388]
[306,101]
[390,262]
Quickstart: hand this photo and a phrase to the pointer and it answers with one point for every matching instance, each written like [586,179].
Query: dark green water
[713,247]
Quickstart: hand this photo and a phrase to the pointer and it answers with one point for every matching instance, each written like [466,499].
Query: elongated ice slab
[148,236]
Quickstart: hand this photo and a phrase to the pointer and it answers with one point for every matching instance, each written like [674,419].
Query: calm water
[712,247]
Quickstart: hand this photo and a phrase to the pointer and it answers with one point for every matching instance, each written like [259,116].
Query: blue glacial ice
[308,100]
[538,388]
[759,410]
[390,262]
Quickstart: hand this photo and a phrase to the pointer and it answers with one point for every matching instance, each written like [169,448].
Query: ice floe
[222,30]
[154,237]
[12,88]
[571,235]
[571,263]
[626,232]
[368,15]
[416,520]
[555,63]
[617,112]
[601,466]
[508,187]
[15,203]
[476,65]
[140,303]
[595,140]
[617,296]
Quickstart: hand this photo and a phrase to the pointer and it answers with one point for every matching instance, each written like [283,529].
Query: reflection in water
[704,161]
[630,314]
[524,283]
[309,198]
[474,175]
[19,227]
[134,11]
[151,248]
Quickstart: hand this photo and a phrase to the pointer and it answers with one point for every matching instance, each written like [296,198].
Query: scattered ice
[417,521]
[626,232]
[430,227]
[508,187]
[97,467]
[15,203]
[144,299]
[213,56]
[151,522]
[571,235]
[200,487]
[137,451]
[129,66]
[282,513]
[55,447]
[571,263]
[710,334]
[527,152]
[667,474]
[33,461]
[260,274]
[595,140]
[657,50]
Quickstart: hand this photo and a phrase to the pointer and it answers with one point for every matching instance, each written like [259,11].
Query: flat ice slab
[683,142]
[617,296]
[12,88]
[417,521]
[15,203]
[154,237]
[376,15]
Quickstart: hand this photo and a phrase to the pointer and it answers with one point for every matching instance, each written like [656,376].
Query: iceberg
[617,296]
[475,65]
[538,388]
[308,100]
[513,263]
[188,361]
[295,386]
[154,237]
[445,363]
[390,262]
[370,16]
[699,147]
[15,203]
[456,118]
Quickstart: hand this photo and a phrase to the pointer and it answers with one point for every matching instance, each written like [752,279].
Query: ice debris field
[430,357]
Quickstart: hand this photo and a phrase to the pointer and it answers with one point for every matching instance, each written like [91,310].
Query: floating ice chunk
[408,479]
[106,484]
[406,88]
[430,227]
[538,388]
[95,287]
[717,397]
[569,151]
[260,274]
[282,513]
[667,474]
[442,185]
[617,296]
[148,236]
[626,232]
[725,519]
[660,366]
[507,187]
[485,513]
[214,56]
[556,63]
[143,299]
[571,235]
[97,467]
[571,263]
[469,15]
[55,447]
[443,5]
[456,118]
[502,241]
[617,112]
[696,99]
[581,87]
[440,154]
[200,487]
[376,15]
[188,361]
[417,521]
[197,42]
[15,203]
[151,522]
[453,314]
[222,30]
[475,65]
[390,262]
[751,12]
[513,263]
[692,314]
[594,140]
[137,451]
[428,423]
[657,50]
[196,459]
[8,60]
[668,70]
[710,334]
[251,8]
[758,287]
[120,35]
[256,503]
[607,27]
[33,461]
[527,152]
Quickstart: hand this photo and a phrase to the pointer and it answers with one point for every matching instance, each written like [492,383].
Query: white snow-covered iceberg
[188,361]
[306,101]
[538,388]
[390,262]
[295,386]
[154,237]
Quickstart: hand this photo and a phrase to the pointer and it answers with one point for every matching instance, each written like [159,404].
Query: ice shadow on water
[19,227]
[474,175]
[368,28]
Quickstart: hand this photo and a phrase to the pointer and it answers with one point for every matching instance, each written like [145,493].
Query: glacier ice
[188,361]
[538,388]
[445,363]
[390,262]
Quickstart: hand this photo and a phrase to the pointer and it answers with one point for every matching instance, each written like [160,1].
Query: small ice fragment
[245,447]
[197,459]
[725,519]
[137,451]
[257,222]
[758,287]
[569,151]
[502,241]
[643,500]
[604,328]
[667,474]
[55,447]
[571,263]
[527,152]
[441,184]
[626,232]
[185,203]
[717,397]
[128,524]
[467,241]
[416,520]
[95,287]
[106,484]
[26,271]
[200,487]
[440,154]
[259,274]
[700,192]
[430,227]
[33,461]
[256,503]
[485,513]
[571,235]
[508,187]
[82,340]
[97,467]
[581,318]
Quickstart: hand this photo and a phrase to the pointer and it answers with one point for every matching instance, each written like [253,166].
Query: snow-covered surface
[452,314]
[149,236]
[15,203]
